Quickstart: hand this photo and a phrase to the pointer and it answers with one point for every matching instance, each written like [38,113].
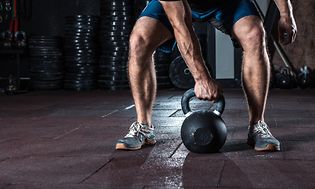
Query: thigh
[151,30]
[229,12]
[154,24]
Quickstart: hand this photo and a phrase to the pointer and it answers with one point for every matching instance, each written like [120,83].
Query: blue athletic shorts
[223,16]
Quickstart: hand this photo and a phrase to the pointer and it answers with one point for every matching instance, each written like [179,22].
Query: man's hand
[207,89]
[287,30]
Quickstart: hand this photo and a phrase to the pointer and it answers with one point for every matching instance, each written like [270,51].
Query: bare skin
[146,36]
[149,33]
[179,14]
[287,26]
[256,67]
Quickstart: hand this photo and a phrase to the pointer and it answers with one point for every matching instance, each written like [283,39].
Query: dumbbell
[304,77]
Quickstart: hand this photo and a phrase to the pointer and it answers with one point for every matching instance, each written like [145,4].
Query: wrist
[202,77]
[286,15]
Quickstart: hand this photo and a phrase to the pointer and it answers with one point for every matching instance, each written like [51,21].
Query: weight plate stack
[46,62]
[117,21]
[81,55]
[162,63]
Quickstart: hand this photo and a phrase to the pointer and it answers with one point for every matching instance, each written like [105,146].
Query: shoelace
[137,128]
[262,129]
[134,130]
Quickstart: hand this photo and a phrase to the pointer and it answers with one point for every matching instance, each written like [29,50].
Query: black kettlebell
[203,131]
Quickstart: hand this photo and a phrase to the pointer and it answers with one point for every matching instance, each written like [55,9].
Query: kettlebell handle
[218,106]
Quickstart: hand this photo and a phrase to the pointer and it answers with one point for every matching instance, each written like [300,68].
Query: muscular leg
[146,36]
[256,66]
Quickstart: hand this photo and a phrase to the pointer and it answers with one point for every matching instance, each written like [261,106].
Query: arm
[179,14]
[186,38]
[287,25]
[285,7]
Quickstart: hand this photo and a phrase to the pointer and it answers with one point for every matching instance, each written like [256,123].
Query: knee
[139,46]
[253,40]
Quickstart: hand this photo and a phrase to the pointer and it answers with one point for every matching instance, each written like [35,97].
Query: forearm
[285,7]
[189,48]
[186,38]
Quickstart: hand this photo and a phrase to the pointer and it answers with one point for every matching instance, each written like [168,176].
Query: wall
[302,52]
[48,15]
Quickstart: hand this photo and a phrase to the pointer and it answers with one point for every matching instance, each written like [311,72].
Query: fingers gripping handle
[218,105]
[185,100]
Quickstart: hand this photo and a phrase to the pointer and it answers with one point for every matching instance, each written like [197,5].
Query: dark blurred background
[47,18]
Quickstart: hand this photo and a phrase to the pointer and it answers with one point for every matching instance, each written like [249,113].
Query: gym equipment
[7,37]
[13,37]
[20,38]
[304,77]
[46,62]
[203,131]
[162,63]
[285,78]
[115,27]
[180,75]
[11,88]
[81,53]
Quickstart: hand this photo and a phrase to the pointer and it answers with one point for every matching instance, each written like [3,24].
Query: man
[165,20]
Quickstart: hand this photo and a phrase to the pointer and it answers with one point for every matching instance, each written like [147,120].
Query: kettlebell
[203,131]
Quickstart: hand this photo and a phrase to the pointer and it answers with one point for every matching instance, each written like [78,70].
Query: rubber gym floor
[66,140]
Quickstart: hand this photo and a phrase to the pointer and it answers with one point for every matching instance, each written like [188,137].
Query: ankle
[254,122]
[145,125]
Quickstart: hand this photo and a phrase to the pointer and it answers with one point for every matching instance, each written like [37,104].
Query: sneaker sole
[122,146]
[268,148]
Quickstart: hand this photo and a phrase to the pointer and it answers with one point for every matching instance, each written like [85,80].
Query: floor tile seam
[174,113]
[41,183]
[252,157]
[66,133]
[301,160]
[123,108]
[8,140]
[221,174]
[96,171]
[175,150]
[269,159]
[279,138]
[50,156]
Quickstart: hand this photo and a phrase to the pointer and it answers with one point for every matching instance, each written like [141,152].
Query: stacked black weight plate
[116,24]
[46,62]
[81,56]
[162,63]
